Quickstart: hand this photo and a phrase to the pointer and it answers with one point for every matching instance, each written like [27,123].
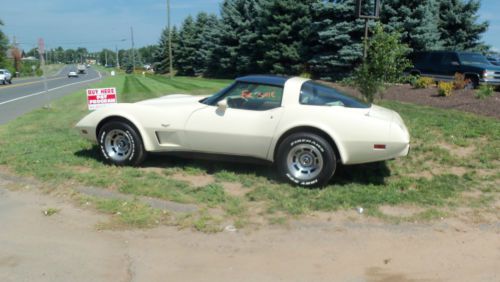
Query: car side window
[251,96]
[315,94]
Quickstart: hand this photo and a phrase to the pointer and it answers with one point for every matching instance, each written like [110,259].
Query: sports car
[304,127]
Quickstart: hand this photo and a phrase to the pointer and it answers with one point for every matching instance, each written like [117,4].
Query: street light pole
[133,58]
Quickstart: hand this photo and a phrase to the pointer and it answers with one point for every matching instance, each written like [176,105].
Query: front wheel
[120,144]
[306,159]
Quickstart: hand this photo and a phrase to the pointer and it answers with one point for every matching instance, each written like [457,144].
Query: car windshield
[473,59]
[1,72]
[215,97]
[313,93]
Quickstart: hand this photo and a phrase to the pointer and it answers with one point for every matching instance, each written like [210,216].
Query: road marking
[55,88]
[28,83]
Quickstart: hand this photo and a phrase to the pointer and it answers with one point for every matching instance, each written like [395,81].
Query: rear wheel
[306,159]
[120,144]
[472,82]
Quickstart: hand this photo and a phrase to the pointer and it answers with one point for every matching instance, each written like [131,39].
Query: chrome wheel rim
[118,145]
[304,162]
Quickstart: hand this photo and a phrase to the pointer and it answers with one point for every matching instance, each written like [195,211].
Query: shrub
[484,91]
[385,63]
[445,88]
[459,81]
[423,82]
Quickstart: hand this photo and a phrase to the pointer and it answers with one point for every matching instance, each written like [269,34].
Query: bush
[423,82]
[385,63]
[484,91]
[459,81]
[445,88]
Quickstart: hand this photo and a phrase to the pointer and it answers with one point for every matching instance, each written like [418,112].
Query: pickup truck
[5,76]
[81,68]
[443,65]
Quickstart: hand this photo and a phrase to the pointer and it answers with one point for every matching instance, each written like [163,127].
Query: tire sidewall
[137,154]
[329,159]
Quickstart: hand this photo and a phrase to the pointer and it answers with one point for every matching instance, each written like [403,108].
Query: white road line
[55,88]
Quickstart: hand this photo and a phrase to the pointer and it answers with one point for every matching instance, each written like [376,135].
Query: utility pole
[169,41]
[133,56]
[117,58]
[105,58]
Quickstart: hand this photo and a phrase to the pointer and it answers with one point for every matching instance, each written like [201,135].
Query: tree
[285,28]
[235,52]
[3,47]
[385,62]
[416,20]
[337,45]
[188,44]
[207,27]
[458,25]
[161,56]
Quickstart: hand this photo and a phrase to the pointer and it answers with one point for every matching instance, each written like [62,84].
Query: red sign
[101,97]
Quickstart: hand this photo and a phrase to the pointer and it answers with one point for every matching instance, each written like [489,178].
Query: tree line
[314,37]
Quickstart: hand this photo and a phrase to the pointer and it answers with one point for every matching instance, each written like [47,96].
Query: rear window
[315,94]
[473,59]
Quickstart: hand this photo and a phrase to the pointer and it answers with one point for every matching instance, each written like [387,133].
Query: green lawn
[452,152]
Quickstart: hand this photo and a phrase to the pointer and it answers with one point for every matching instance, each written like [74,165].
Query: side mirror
[455,63]
[222,104]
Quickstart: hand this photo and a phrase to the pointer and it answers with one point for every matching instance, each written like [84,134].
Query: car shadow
[372,173]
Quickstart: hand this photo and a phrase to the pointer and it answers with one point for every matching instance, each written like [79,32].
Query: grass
[452,152]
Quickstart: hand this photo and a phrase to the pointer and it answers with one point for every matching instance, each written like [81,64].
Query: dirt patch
[463,100]
[461,152]
[400,211]
[194,180]
[234,189]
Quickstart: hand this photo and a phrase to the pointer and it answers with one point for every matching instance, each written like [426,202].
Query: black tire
[10,81]
[121,144]
[306,159]
[473,83]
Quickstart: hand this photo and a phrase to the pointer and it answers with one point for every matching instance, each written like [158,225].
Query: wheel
[120,144]
[472,83]
[306,159]
[10,81]
[4,82]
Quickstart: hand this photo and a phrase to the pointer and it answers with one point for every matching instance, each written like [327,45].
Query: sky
[98,24]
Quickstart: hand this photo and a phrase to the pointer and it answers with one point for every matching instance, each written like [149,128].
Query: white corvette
[304,127]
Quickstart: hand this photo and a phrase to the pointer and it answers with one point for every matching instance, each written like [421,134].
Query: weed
[484,91]
[50,211]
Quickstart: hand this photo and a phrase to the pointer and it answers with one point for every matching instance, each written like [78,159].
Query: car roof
[275,80]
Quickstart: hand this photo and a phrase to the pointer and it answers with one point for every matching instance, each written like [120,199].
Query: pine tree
[458,25]
[338,45]
[185,58]
[161,56]
[207,27]
[237,34]
[416,20]
[285,28]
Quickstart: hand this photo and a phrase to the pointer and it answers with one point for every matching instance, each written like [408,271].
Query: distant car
[5,76]
[72,74]
[302,126]
[443,65]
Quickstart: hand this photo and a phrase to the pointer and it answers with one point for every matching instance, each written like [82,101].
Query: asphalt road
[25,95]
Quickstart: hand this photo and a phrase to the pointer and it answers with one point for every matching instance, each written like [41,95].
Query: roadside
[69,246]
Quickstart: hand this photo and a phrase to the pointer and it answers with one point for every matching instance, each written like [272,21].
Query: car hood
[174,99]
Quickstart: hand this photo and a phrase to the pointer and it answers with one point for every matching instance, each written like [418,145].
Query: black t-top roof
[264,79]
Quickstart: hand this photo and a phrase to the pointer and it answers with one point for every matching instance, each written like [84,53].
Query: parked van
[443,65]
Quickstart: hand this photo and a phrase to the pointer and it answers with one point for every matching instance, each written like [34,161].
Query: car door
[245,127]
[449,65]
